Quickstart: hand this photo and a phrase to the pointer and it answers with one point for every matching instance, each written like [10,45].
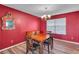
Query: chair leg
[33,52]
[44,46]
[27,46]
[26,51]
[48,49]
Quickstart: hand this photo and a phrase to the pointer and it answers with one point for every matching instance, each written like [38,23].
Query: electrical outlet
[11,41]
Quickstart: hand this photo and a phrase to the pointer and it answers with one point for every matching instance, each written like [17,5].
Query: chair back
[28,34]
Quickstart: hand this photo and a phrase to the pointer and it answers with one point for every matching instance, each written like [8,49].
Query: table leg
[41,48]
[51,43]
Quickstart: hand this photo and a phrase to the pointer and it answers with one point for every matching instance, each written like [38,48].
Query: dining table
[41,37]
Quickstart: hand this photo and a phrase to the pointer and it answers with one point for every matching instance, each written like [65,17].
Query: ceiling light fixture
[46,17]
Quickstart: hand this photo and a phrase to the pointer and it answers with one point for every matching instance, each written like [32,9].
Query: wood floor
[60,47]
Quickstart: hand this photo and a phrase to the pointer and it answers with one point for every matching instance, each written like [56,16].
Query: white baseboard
[11,46]
[67,41]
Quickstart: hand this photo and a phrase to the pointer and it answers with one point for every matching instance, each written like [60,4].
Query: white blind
[57,26]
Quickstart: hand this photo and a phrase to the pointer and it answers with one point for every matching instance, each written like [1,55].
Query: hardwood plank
[60,47]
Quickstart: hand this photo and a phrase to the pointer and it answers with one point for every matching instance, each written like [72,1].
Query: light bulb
[46,16]
[49,16]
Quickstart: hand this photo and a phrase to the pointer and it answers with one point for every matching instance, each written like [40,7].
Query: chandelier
[46,17]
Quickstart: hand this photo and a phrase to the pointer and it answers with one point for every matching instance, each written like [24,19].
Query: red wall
[23,22]
[72,26]
[0,33]
[43,26]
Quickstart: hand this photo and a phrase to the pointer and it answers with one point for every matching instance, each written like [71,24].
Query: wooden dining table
[39,38]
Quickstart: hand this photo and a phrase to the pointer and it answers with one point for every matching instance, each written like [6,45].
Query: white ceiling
[39,9]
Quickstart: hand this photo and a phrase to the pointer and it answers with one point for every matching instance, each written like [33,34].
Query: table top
[40,37]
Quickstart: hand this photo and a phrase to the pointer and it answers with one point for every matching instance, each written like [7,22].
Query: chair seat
[35,46]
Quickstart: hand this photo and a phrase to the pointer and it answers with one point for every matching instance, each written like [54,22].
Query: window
[51,25]
[57,26]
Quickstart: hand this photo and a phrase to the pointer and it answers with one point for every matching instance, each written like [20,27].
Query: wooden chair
[30,44]
[49,42]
